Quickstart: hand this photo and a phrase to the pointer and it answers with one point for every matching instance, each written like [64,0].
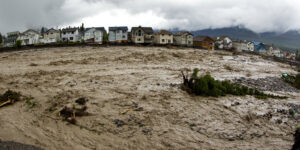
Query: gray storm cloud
[257,15]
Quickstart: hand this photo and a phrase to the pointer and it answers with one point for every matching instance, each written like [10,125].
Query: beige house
[183,39]
[142,35]
[51,36]
[163,37]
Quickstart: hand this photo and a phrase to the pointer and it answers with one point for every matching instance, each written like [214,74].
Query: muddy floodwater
[134,100]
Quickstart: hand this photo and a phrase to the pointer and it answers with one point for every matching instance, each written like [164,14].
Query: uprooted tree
[208,86]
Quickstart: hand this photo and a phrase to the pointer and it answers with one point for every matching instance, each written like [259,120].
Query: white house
[243,46]
[94,35]
[118,34]
[29,37]
[71,35]
[274,51]
[224,42]
[51,36]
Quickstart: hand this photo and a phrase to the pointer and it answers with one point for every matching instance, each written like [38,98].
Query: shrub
[208,86]
[293,80]
[10,95]
[18,44]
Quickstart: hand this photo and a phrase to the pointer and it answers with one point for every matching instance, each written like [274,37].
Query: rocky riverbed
[267,84]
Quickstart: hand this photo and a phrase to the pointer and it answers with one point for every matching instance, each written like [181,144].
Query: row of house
[262,49]
[95,35]
[140,35]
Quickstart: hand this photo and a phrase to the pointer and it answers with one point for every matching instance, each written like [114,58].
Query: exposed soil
[135,100]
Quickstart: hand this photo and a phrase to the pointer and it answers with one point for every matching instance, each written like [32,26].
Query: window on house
[162,40]
[73,32]
[163,35]
[139,39]
[71,38]
[140,33]
[64,33]
[169,41]
[124,37]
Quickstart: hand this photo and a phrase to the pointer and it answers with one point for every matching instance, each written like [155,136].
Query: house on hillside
[260,48]
[183,39]
[204,42]
[223,42]
[241,46]
[30,37]
[289,55]
[273,51]
[163,37]
[118,34]
[71,35]
[11,39]
[142,35]
[51,36]
[94,35]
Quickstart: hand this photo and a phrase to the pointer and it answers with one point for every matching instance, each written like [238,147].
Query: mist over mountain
[287,40]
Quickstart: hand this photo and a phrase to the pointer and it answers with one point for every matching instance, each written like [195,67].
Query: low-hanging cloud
[257,15]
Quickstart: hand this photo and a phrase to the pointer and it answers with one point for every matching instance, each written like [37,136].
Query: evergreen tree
[105,38]
[1,40]
[42,31]
[82,27]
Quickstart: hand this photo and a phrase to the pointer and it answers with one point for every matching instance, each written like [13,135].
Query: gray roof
[164,32]
[118,28]
[69,29]
[31,30]
[147,30]
[182,33]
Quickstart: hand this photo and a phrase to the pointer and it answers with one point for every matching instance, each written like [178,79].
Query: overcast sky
[257,15]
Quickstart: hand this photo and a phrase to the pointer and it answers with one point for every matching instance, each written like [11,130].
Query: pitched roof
[147,30]
[256,43]
[31,30]
[182,33]
[163,32]
[69,29]
[52,30]
[124,28]
[202,38]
